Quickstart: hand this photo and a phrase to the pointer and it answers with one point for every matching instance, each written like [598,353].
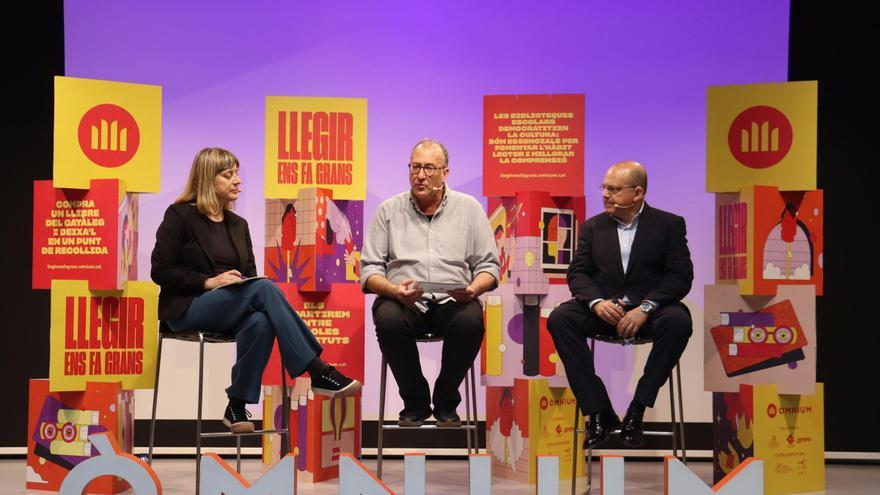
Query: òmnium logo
[773,410]
[551,402]
[108,135]
[795,410]
[760,137]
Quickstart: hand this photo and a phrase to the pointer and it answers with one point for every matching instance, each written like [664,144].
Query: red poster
[84,234]
[337,320]
[767,238]
[789,239]
[533,143]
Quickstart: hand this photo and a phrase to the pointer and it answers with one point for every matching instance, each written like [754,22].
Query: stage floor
[446,476]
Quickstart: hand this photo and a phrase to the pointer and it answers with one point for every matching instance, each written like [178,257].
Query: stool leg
[589,466]
[382,378]
[474,402]
[238,454]
[574,447]
[680,413]
[199,413]
[155,401]
[285,414]
[672,416]
[590,449]
[467,408]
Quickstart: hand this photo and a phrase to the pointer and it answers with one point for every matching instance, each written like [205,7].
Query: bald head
[427,144]
[633,173]
[623,190]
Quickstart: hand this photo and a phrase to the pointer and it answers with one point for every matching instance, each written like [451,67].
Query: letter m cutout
[746,479]
[218,478]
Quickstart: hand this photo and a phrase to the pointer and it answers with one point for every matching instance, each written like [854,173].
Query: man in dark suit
[631,269]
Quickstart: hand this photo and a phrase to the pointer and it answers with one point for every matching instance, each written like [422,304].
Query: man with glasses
[429,234]
[628,276]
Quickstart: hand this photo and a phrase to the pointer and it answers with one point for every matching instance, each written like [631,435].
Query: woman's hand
[224,278]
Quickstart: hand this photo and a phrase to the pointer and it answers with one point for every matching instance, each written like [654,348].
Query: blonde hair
[200,186]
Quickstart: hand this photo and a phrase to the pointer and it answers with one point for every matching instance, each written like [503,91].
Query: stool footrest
[647,433]
[220,434]
[430,427]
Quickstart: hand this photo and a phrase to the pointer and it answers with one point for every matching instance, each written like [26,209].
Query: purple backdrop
[424,68]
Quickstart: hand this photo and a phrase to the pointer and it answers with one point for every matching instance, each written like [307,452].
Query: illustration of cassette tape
[752,341]
[761,341]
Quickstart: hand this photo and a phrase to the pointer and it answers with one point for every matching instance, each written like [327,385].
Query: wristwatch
[646,307]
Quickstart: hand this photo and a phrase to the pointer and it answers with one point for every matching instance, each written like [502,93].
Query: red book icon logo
[108,135]
[759,137]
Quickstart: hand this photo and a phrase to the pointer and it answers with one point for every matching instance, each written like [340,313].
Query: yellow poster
[107,130]
[103,336]
[316,142]
[789,434]
[761,134]
[551,428]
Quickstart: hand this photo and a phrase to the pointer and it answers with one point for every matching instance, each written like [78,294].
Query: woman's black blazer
[180,262]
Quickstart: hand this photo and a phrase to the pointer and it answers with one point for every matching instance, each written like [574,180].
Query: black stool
[201,337]
[677,432]
[470,400]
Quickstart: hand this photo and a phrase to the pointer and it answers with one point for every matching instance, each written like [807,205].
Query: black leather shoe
[413,419]
[632,431]
[447,419]
[601,426]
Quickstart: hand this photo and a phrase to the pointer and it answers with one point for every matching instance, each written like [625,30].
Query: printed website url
[532,176]
[73,267]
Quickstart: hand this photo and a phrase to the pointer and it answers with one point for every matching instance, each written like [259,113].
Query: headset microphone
[623,206]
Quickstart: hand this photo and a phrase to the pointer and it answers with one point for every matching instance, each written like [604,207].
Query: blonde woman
[203,251]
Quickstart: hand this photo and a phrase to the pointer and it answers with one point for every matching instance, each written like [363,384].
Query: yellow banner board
[107,130]
[103,336]
[528,420]
[316,142]
[761,134]
[551,423]
[789,435]
[786,431]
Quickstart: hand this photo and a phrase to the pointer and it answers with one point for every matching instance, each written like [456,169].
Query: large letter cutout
[356,479]
[480,471]
[746,479]
[548,475]
[414,474]
[218,478]
[611,474]
[111,461]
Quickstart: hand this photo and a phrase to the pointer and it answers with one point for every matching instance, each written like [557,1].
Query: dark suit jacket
[659,268]
[180,262]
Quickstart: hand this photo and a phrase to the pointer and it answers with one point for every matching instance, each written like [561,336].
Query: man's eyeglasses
[612,190]
[429,168]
